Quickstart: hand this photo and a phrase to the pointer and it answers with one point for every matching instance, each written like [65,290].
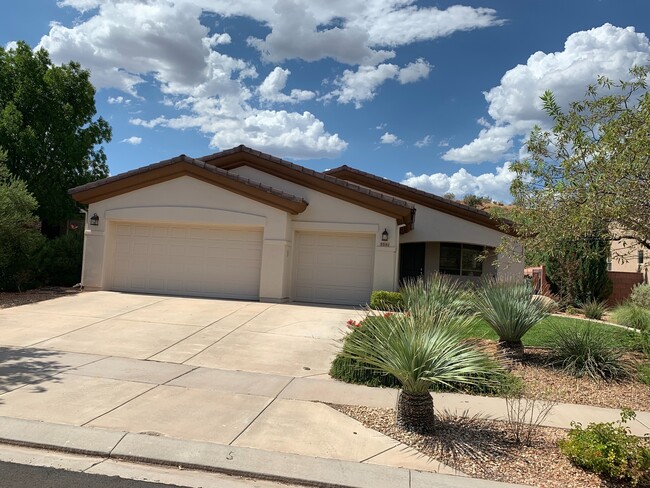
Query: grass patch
[543,333]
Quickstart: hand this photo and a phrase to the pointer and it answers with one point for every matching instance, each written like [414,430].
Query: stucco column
[273,275]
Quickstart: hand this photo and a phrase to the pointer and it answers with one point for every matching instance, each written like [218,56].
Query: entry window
[460,259]
[640,255]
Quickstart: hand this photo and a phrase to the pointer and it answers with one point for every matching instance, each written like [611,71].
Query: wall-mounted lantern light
[94,220]
[384,236]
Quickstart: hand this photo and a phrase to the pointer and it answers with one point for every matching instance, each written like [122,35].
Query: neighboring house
[244,224]
[628,256]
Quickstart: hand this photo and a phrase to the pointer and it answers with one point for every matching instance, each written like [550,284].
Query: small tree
[19,234]
[577,270]
[591,171]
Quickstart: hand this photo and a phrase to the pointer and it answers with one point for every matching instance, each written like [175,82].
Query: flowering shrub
[609,449]
[353,323]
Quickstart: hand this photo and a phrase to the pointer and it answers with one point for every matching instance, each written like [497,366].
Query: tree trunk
[415,412]
[511,352]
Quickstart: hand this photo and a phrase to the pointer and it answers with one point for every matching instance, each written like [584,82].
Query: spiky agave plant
[419,354]
[509,307]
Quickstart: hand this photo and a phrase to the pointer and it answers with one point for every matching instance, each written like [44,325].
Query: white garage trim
[193,260]
[333,268]
[185,216]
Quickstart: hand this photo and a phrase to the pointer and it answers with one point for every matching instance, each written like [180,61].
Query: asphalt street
[24,476]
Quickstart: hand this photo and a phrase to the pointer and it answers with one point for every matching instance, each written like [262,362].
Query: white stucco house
[243,224]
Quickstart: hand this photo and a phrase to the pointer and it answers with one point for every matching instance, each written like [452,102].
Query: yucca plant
[426,298]
[419,353]
[509,307]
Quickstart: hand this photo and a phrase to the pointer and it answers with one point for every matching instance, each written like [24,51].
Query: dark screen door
[411,260]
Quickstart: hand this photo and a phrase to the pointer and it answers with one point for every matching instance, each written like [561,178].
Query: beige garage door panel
[333,268]
[186,260]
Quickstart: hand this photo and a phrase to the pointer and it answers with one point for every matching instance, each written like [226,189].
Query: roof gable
[420,197]
[239,156]
[186,166]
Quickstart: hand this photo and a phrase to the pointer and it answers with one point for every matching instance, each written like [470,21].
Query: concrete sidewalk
[191,416]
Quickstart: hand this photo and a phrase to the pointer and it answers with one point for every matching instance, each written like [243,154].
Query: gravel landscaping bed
[543,380]
[14,299]
[486,449]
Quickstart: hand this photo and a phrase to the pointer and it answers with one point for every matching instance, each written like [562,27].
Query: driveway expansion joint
[261,412]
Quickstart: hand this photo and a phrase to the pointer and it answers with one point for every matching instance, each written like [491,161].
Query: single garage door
[185,260]
[333,268]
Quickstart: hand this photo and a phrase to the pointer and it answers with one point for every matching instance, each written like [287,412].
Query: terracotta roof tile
[195,162]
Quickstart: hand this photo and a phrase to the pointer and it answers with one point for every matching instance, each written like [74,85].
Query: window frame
[460,259]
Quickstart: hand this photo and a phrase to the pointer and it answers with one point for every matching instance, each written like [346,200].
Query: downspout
[83,258]
[397,257]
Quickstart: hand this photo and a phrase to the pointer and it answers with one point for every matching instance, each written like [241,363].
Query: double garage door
[186,260]
[226,262]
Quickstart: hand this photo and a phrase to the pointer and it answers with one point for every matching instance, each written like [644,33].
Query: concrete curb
[231,460]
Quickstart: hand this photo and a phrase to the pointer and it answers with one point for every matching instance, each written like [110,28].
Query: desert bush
[631,315]
[609,449]
[525,415]
[594,309]
[59,260]
[640,296]
[586,351]
[386,300]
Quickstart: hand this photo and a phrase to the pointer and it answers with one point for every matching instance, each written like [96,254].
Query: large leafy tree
[48,128]
[589,177]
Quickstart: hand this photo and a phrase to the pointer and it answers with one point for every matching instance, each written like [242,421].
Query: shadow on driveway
[21,366]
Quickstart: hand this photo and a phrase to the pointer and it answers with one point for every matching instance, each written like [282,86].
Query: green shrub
[640,296]
[586,351]
[571,310]
[609,449]
[352,371]
[594,309]
[20,238]
[59,261]
[644,373]
[386,300]
[631,315]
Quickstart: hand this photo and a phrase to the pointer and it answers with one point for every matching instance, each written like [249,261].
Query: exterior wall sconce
[384,236]
[94,220]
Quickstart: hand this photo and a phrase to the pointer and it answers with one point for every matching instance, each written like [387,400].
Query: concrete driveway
[235,373]
[282,339]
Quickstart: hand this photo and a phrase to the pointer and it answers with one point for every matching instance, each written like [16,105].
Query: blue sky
[439,95]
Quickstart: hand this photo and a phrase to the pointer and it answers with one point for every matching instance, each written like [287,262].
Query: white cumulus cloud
[133,140]
[494,185]
[424,142]
[361,85]
[271,88]
[514,104]
[388,138]
[118,100]
[125,42]
[355,31]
